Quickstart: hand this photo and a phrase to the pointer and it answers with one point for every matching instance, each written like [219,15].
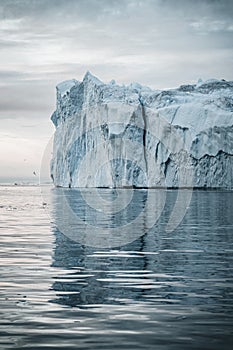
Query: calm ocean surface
[160,291]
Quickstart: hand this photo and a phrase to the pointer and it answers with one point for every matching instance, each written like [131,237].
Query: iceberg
[110,135]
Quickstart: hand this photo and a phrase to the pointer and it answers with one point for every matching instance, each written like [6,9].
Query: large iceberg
[109,135]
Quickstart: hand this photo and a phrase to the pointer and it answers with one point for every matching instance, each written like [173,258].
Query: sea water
[153,289]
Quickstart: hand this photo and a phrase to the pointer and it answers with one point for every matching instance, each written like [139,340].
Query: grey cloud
[32,97]
[11,75]
[91,23]
[157,42]
[7,44]
[96,10]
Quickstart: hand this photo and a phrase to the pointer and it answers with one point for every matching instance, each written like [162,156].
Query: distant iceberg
[109,135]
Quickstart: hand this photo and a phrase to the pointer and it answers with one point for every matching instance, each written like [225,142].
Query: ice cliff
[117,136]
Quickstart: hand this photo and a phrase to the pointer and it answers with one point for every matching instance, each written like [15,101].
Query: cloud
[91,32]
[205,26]
[31,98]
[58,39]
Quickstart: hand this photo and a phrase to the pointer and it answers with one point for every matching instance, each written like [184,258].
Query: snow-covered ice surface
[117,136]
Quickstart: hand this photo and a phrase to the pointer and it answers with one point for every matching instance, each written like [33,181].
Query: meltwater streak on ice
[160,291]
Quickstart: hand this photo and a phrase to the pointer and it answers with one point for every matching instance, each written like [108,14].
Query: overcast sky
[160,43]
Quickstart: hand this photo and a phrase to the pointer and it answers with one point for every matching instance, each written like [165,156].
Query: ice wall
[118,136]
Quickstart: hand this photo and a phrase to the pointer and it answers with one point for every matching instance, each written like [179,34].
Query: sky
[159,43]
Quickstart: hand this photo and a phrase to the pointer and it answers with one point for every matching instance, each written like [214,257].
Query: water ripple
[165,291]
